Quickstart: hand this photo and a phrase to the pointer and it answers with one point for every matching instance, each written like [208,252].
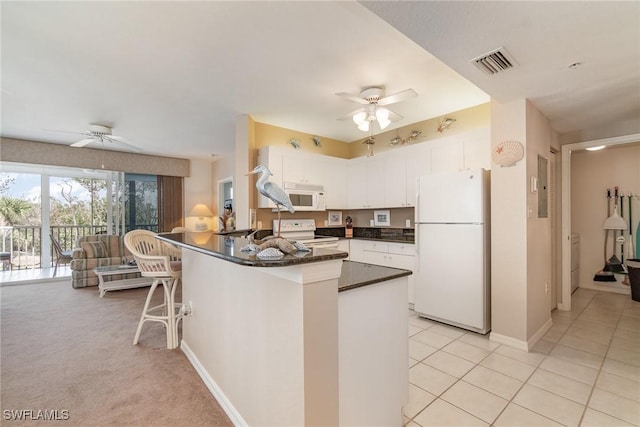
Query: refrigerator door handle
[415,224]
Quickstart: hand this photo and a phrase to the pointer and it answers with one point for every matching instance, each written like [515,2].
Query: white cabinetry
[470,150]
[302,168]
[418,164]
[335,181]
[343,245]
[366,183]
[395,179]
[388,254]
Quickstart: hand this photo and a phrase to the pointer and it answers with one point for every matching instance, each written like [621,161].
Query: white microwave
[305,197]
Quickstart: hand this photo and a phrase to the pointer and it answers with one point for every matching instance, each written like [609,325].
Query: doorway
[226,208]
[565,303]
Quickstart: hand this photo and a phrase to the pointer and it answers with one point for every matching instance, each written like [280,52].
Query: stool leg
[154,285]
[176,282]
[166,285]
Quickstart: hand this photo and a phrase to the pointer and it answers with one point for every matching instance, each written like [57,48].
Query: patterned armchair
[98,251]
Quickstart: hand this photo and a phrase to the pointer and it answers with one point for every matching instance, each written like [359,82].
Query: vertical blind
[169,202]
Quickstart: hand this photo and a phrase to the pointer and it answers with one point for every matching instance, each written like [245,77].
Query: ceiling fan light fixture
[360,118]
[364,126]
[384,123]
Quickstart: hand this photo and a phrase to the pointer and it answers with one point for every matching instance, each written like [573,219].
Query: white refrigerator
[452,239]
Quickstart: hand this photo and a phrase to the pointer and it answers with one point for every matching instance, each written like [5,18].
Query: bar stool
[157,259]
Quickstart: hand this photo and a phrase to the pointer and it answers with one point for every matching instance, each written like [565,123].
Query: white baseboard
[520,344]
[222,399]
[511,342]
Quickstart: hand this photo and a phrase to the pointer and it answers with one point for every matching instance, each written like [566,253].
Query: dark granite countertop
[357,274]
[228,248]
[384,234]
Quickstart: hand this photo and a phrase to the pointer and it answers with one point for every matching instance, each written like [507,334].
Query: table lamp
[201,211]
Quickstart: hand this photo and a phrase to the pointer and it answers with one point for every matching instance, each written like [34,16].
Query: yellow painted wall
[272,135]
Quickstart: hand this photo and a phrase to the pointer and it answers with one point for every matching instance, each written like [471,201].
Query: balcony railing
[24,241]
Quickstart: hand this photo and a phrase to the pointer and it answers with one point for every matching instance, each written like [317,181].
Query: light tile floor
[585,371]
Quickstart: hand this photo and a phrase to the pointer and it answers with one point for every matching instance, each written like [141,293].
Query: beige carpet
[69,350]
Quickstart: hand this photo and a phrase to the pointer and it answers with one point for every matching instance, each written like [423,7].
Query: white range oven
[303,230]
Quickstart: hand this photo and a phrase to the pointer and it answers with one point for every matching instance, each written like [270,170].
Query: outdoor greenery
[72,215]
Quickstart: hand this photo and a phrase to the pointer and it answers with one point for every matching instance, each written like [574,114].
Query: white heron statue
[272,191]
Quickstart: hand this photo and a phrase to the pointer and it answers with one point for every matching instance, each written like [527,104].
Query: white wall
[508,227]
[520,241]
[591,174]
[539,137]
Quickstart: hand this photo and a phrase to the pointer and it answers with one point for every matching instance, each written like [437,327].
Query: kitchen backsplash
[361,217]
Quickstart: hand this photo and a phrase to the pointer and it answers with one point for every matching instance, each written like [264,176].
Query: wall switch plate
[259,225]
[407,223]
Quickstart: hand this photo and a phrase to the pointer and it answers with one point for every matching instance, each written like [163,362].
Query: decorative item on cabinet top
[445,123]
[294,143]
[412,137]
[508,153]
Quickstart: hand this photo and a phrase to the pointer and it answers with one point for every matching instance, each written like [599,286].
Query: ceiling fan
[374,110]
[100,134]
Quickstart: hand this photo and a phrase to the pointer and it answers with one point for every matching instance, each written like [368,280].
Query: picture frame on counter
[381,218]
[335,218]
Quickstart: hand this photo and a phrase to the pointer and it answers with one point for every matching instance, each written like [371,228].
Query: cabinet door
[418,160]
[356,250]
[357,184]
[376,258]
[406,262]
[292,168]
[447,156]
[343,245]
[477,150]
[375,183]
[336,182]
[395,179]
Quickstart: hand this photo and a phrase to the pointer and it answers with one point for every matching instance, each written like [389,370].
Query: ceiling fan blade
[66,131]
[353,98]
[82,143]
[121,141]
[350,115]
[394,117]
[397,97]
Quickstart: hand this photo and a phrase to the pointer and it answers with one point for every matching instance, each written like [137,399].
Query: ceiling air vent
[494,62]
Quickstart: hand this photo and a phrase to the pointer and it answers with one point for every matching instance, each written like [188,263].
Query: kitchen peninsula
[304,340]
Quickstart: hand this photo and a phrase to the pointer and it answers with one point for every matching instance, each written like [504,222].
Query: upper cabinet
[366,183]
[386,180]
[335,181]
[302,168]
[470,150]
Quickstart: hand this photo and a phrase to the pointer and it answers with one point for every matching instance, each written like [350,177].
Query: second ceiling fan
[374,108]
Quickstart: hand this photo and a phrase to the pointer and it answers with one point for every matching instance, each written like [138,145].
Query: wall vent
[494,62]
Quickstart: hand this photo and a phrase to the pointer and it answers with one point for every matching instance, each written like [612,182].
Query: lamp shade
[201,210]
[615,221]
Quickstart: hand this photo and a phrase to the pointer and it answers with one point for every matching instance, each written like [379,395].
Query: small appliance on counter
[303,231]
[348,232]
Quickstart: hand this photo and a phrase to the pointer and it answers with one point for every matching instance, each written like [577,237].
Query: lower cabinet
[388,254]
[343,245]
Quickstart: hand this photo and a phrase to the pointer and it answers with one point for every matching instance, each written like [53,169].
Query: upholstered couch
[97,251]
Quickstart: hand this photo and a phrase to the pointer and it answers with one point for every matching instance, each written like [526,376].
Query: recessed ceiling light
[575,65]
[596,148]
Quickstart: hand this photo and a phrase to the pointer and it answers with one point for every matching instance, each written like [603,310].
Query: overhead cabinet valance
[22,151]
